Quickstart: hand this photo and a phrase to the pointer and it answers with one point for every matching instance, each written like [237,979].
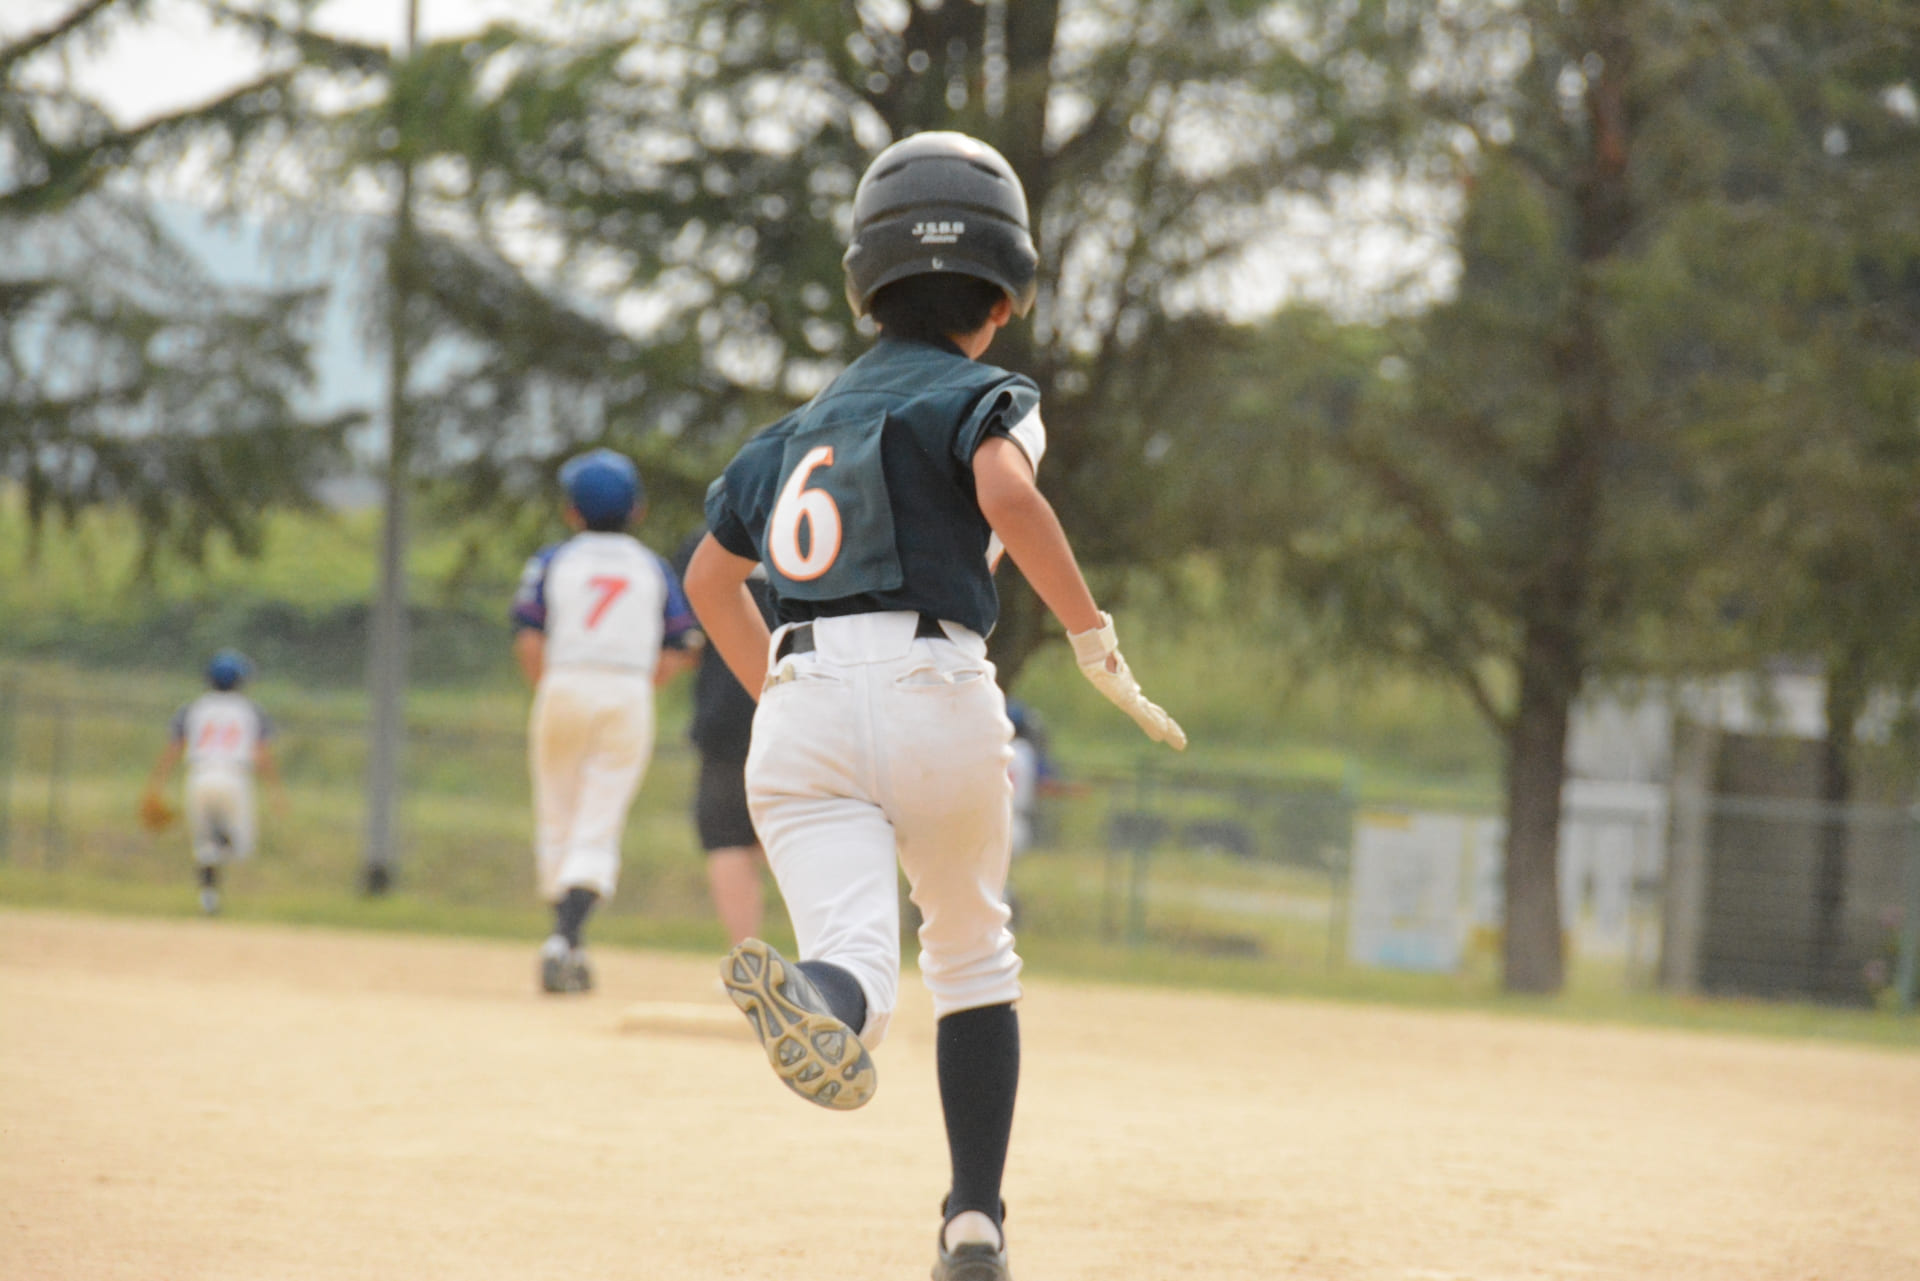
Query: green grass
[466,869]
[100,659]
[89,570]
[1229,659]
[77,595]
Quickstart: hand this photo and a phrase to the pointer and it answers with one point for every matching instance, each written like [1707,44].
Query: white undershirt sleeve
[1031,435]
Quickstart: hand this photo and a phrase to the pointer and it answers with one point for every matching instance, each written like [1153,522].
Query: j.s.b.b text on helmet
[939,233]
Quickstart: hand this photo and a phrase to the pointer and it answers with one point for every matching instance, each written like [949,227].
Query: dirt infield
[207,1100]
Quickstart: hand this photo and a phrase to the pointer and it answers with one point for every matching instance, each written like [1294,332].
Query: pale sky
[1378,237]
[174,58]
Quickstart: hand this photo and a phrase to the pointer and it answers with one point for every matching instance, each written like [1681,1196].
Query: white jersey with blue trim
[221,729]
[604,600]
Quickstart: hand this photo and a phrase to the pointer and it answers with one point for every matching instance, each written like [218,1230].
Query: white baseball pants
[589,742]
[882,745]
[219,803]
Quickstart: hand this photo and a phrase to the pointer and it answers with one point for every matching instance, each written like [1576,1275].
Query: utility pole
[387,650]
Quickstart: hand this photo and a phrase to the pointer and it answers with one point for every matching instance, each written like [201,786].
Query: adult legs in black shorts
[734,856]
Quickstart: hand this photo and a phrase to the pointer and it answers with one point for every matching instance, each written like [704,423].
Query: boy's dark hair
[933,306]
[606,524]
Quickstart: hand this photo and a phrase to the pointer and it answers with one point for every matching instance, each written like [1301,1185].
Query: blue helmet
[603,486]
[228,669]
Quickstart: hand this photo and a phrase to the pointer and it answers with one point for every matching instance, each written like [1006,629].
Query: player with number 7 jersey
[599,622]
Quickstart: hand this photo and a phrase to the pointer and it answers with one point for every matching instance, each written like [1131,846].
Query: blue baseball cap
[603,486]
[228,669]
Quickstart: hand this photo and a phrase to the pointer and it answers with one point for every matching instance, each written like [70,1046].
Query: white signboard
[1408,882]
[1424,883]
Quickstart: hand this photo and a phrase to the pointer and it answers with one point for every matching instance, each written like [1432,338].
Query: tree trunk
[1846,696]
[1032,26]
[1020,134]
[950,36]
[1555,605]
[1536,769]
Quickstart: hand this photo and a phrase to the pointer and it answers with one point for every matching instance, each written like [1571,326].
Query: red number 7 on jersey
[608,588]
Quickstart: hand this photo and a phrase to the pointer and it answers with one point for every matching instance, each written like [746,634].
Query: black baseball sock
[977,1053]
[842,991]
[209,876]
[570,913]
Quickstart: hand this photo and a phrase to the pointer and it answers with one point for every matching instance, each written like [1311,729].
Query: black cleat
[563,972]
[974,1261]
[814,1053]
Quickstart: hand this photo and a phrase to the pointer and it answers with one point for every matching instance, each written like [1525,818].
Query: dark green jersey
[863,500]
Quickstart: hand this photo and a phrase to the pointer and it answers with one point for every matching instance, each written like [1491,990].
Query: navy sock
[977,1053]
[209,876]
[570,914]
[842,991]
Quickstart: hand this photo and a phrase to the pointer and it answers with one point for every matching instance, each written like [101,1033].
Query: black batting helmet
[938,202]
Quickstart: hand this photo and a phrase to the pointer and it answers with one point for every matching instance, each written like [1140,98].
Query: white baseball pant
[880,745]
[589,742]
[220,814]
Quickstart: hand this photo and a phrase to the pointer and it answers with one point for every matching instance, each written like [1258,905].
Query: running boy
[879,509]
[225,739]
[599,621]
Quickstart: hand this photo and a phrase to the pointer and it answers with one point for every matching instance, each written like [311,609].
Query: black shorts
[720,805]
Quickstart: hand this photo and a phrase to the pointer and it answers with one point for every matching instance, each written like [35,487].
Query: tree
[127,375]
[1527,488]
[1808,421]
[636,228]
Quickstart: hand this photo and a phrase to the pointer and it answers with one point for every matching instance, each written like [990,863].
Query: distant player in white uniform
[1026,770]
[600,622]
[225,739]
[877,509]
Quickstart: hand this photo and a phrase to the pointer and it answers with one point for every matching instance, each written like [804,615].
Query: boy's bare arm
[163,768]
[1026,523]
[530,650]
[672,663]
[267,766]
[716,583]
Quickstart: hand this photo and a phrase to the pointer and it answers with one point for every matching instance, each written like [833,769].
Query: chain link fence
[72,766]
[1705,893]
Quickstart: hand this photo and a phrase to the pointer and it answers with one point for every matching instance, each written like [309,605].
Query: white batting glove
[1098,653]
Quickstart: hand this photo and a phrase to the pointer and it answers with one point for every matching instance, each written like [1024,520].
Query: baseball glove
[1098,653]
[156,815]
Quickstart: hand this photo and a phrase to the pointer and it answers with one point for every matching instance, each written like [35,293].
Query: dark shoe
[579,973]
[553,974]
[974,1261]
[814,1053]
[563,972]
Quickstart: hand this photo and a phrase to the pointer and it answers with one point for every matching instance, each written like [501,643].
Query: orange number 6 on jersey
[814,506]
